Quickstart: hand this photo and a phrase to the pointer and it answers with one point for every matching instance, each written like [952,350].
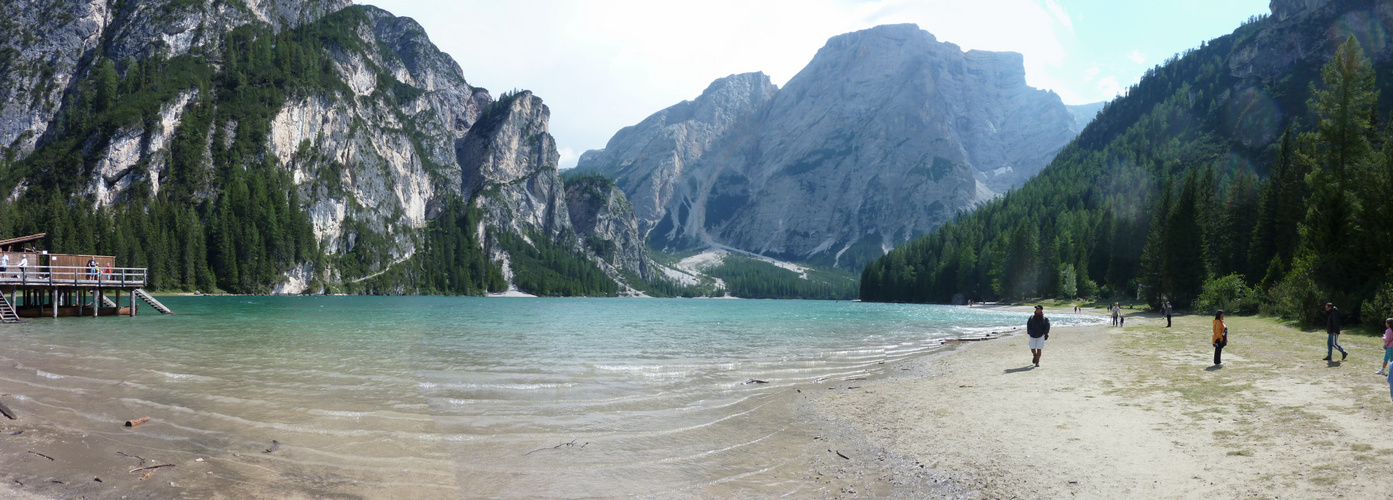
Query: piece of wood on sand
[151,470]
[8,412]
[137,421]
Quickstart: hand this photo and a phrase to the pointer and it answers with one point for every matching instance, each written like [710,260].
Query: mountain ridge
[886,134]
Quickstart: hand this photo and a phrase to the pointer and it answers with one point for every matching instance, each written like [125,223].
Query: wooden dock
[40,284]
[56,291]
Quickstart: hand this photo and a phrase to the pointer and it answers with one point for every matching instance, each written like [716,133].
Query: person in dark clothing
[1332,330]
[1038,327]
[1168,309]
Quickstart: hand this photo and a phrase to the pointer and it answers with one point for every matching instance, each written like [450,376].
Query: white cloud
[1109,86]
[1137,57]
[1060,15]
[1091,73]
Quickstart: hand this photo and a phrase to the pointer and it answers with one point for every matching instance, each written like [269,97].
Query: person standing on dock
[1038,327]
[24,268]
[1332,331]
[4,263]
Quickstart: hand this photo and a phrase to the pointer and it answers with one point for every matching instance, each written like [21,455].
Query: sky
[602,65]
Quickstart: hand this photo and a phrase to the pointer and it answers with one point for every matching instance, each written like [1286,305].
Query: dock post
[55,303]
[80,305]
[96,302]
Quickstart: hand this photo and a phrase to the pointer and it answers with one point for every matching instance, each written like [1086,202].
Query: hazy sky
[601,65]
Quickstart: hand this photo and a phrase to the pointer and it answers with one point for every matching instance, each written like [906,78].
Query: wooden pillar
[55,303]
[80,305]
[96,302]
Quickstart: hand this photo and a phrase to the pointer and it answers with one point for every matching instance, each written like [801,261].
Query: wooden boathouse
[35,284]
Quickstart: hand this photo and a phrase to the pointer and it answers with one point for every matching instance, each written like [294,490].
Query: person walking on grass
[1038,327]
[1167,310]
[1332,331]
[1116,313]
[1221,337]
[1387,347]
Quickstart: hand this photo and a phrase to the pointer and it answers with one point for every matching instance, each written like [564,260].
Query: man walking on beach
[1332,330]
[1038,327]
[1167,310]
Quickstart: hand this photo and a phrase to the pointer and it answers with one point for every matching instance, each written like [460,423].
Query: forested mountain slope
[283,146]
[1253,171]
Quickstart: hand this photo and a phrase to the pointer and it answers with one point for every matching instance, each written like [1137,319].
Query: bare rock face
[509,162]
[885,135]
[662,163]
[603,215]
[45,45]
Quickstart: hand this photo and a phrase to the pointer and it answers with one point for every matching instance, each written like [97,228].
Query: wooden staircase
[107,302]
[7,311]
[151,300]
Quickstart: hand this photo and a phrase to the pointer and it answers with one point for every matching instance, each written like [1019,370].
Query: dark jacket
[1037,326]
[1332,321]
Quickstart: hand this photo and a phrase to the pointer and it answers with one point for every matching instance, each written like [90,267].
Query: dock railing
[121,277]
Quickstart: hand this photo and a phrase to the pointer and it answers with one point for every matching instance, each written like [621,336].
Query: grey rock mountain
[886,134]
[374,158]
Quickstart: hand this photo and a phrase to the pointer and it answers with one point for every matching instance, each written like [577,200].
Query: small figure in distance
[1038,327]
[4,263]
[24,268]
[1116,313]
[1332,331]
[1221,337]
[1387,347]
[1168,309]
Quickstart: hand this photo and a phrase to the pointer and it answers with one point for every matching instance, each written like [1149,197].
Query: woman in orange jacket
[1221,337]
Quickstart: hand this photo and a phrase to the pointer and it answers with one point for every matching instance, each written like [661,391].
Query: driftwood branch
[275,445]
[137,421]
[570,444]
[41,454]
[150,470]
[8,412]
[124,454]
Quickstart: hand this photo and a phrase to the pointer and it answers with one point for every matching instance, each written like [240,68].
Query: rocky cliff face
[885,135]
[45,45]
[374,156]
[665,163]
[599,210]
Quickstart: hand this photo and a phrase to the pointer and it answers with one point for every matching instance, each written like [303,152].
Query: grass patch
[1240,453]
[1361,447]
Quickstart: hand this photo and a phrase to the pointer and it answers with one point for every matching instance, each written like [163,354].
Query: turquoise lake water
[446,395]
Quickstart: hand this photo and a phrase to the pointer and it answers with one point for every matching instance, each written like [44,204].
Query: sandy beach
[1139,412]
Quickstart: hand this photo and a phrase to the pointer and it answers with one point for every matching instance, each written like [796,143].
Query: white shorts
[1037,342]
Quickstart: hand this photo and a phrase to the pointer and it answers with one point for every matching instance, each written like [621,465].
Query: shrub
[1229,293]
[1379,307]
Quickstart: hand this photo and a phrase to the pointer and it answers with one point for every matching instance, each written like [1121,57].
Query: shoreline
[849,436]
